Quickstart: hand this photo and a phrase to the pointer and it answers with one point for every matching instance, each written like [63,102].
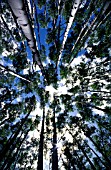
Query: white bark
[73,12]
[19,11]
[102,13]
[109,13]
[92,26]
[79,36]
[59,1]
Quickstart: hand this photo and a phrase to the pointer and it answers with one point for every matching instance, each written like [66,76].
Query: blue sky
[62,88]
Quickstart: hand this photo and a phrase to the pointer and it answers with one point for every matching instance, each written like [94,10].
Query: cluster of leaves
[79,120]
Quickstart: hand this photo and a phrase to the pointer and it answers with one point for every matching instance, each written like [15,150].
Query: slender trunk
[59,30]
[3,122]
[11,141]
[69,164]
[100,98]
[37,24]
[97,91]
[104,9]
[100,150]
[98,108]
[15,163]
[54,151]
[41,143]
[84,29]
[82,149]
[81,163]
[74,168]
[96,155]
[87,30]
[97,146]
[8,157]
[10,160]
[77,162]
[108,14]
[71,18]
[92,106]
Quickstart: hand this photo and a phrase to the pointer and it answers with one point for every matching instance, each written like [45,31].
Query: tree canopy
[55,85]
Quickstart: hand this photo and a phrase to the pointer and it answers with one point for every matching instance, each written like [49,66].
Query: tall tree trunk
[19,10]
[82,149]
[87,30]
[92,106]
[98,108]
[97,155]
[41,142]
[54,151]
[37,24]
[80,164]
[97,146]
[100,150]
[8,162]
[71,18]
[11,141]
[97,91]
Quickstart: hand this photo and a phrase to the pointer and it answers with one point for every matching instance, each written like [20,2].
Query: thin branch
[14,73]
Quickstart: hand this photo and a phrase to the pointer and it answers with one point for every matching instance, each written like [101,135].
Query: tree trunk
[88,30]
[11,141]
[98,108]
[41,142]
[80,163]
[99,149]
[97,155]
[9,160]
[82,149]
[54,151]
[19,10]
[71,18]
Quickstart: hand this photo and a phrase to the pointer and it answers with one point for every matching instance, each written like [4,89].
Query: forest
[55,85]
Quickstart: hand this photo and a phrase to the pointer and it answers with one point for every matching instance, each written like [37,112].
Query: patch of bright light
[100,112]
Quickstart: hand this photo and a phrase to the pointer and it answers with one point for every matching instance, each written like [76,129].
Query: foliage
[66,129]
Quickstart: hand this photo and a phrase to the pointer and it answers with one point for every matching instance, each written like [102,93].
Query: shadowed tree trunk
[54,150]
[41,142]
[8,162]
[97,155]
[88,159]
[53,33]
[83,151]
[97,146]
[11,141]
